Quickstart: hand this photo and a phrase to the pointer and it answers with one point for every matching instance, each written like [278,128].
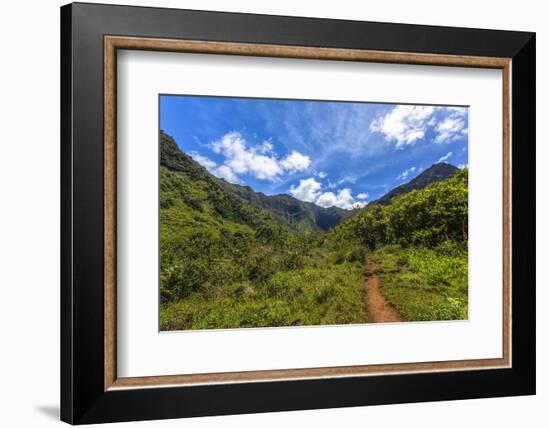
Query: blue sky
[329,153]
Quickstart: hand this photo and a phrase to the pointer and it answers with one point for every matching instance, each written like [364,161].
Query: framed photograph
[265,213]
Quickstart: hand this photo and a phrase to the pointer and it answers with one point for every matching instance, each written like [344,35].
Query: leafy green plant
[425,284]
[227,262]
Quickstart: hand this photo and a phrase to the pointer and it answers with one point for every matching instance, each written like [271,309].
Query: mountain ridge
[437,172]
[290,209]
[287,209]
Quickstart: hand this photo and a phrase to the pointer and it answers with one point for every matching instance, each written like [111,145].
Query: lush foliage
[437,172]
[227,263]
[228,258]
[218,270]
[425,284]
[420,241]
[425,217]
[326,294]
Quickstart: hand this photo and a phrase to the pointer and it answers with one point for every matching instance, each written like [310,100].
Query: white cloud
[363,195]
[453,126]
[449,130]
[406,124]
[307,190]
[444,158]
[405,174]
[243,160]
[208,163]
[327,199]
[258,161]
[336,128]
[223,171]
[458,111]
[296,162]
[266,147]
[321,174]
[462,166]
[342,199]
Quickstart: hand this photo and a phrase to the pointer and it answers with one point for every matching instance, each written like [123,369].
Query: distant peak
[437,172]
[439,165]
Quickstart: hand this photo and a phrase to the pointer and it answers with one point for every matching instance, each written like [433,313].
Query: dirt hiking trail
[378,308]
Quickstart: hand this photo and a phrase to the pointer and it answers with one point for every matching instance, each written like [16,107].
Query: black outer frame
[83,399]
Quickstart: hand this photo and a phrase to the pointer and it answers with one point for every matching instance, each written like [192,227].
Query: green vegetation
[426,217]
[226,263]
[425,284]
[327,294]
[230,258]
[437,172]
[420,243]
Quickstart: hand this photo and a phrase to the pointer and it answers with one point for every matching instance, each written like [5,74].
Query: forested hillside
[300,214]
[226,263]
[419,243]
[437,172]
[289,210]
[231,257]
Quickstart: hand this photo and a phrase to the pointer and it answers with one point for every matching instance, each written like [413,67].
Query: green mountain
[289,210]
[284,208]
[428,216]
[437,172]
[184,181]
[234,258]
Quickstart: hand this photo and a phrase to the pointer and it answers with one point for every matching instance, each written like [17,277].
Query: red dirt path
[378,308]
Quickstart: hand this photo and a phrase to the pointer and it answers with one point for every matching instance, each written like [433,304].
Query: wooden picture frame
[91,390]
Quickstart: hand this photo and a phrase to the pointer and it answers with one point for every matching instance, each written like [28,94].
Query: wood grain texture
[110,219]
[112,43]
[296,374]
[507,213]
[301,52]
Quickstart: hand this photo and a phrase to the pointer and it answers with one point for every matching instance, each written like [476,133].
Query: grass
[425,284]
[422,284]
[319,293]
[226,262]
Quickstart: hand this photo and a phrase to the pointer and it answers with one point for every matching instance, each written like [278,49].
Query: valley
[231,257]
